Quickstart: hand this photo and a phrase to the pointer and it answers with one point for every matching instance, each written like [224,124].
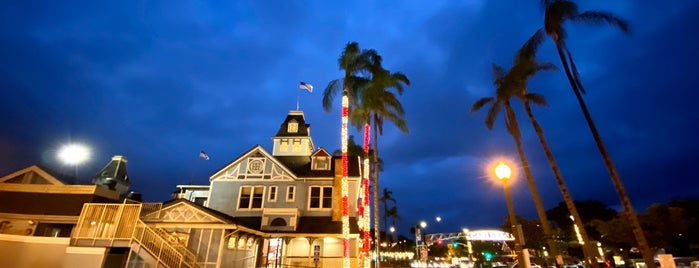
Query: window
[284,145]
[250,197]
[293,127]
[297,145]
[320,163]
[273,193]
[255,166]
[321,197]
[200,201]
[290,193]
[278,222]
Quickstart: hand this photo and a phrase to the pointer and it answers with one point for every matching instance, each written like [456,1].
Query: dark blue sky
[159,81]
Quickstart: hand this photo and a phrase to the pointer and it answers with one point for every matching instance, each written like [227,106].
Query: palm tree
[383,104]
[392,213]
[377,103]
[354,62]
[385,198]
[525,67]
[502,100]
[557,12]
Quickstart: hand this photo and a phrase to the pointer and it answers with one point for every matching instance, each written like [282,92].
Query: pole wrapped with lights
[344,190]
[364,206]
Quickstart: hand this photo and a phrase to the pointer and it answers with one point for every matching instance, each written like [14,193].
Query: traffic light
[454,244]
[439,242]
[488,256]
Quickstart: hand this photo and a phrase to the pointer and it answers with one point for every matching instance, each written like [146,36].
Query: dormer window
[321,163]
[293,127]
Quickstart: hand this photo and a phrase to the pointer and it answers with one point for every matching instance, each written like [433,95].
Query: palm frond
[480,103]
[531,46]
[603,17]
[498,73]
[329,93]
[492,115]
[536,99]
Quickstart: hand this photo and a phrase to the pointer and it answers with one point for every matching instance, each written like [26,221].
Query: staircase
[119,225]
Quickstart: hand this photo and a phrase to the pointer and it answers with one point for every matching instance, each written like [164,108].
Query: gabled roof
[320,152]
[43,176]
[256,150]
[215,214]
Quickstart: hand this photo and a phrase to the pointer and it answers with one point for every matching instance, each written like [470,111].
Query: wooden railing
[170,254]
[109,225]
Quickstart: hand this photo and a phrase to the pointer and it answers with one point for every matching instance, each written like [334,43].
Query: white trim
[257,148]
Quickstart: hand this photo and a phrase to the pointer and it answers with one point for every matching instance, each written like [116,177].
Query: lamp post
[503,172]
[419,243]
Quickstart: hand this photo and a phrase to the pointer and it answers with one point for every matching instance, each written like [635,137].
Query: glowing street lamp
[74,154]
[504,173]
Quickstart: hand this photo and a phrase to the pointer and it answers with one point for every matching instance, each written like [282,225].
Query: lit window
[321,197]
[273,193]
[293,127]
[284,145]
[250,197]
[297,145]
[290,193]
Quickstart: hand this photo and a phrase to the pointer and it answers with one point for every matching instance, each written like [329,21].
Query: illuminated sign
[489,235]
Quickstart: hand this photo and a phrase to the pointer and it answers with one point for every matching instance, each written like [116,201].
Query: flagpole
[297,98]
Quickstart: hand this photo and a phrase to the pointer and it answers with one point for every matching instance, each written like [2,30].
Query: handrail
[164,251]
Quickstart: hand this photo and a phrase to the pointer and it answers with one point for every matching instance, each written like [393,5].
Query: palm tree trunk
[377,217]
[561,185]
[517,135]
[616,180]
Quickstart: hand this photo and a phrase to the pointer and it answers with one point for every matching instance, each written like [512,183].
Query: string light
[345,203]
[365,201]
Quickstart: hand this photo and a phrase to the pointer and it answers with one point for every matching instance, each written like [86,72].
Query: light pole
[503,172]
[418,238]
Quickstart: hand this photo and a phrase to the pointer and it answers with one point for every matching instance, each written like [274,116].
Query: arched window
[278,222]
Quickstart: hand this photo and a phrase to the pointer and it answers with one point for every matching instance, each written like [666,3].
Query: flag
[306,86]
[202,154]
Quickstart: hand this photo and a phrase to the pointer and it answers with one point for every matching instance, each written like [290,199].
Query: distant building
[39,209]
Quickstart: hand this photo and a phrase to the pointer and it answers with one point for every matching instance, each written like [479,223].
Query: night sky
[158,81]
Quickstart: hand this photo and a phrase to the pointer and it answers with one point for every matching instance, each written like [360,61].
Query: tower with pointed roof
[114,176]
[293,137]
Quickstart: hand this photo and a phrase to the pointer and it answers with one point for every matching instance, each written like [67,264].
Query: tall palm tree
[354,62]
[379,102]
[525,66]
[502,100]
[383,105]
[557,12]
[385,198]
